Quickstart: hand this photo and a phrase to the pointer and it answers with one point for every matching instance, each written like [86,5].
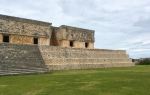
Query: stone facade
[57,58]
[17,59]
[79,37]
[23,31]
[1,38]
[56,48]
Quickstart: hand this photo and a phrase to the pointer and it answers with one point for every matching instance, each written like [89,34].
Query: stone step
[12,71]
[16,59]
[19,72]
[81,54]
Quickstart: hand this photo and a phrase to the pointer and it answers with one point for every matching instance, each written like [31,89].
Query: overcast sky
[118,24]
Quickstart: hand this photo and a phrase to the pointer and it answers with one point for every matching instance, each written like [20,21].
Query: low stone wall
[87,66]
[58,58]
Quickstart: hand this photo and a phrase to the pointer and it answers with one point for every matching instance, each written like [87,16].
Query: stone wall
[16,59]
[76,44]
[29,58]
[76,34]
[54,39]
[57,58]
[64,43]
[19,39]
[22,31]
[20,55]
[1,37]
[65,34]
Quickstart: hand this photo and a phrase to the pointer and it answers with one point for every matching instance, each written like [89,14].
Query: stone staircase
[26,59]
[20,59]
[58,58]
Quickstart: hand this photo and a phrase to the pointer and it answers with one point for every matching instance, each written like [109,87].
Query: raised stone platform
[16,59]
[58,58]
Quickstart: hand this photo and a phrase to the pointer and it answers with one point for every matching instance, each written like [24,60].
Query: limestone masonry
[30,46]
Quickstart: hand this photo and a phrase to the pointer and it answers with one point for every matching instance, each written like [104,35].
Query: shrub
[145,61]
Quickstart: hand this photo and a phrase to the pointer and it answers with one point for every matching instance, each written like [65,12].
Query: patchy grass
[112,81]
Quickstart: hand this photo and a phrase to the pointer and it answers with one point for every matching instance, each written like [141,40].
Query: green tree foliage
[145,61]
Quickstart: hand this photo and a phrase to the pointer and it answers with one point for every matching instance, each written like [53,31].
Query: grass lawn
[112,81]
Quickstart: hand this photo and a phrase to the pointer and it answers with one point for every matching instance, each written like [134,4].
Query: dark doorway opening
[86,45]
[6,38]
[36,41]
[71,43]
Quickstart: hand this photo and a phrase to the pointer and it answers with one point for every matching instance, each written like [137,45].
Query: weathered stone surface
[86,66]
[1,37]
[75,34]
[22,57]
[79,36]
[22,30]
[18,19]
[58,48]
[12,25]
[31,57]
[58,58]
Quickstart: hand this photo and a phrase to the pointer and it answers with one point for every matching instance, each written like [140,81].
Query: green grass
[112,81]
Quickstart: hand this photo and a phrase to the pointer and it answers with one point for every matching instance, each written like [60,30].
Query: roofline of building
[66,26]
[19,19]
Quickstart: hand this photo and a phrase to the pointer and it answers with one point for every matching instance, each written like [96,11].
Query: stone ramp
[20,59]
[58,58]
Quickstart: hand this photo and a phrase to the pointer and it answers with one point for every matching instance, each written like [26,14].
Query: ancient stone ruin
[30,46]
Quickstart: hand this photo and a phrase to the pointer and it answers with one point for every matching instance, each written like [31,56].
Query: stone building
[24,31]
[67,36]
[28,46]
